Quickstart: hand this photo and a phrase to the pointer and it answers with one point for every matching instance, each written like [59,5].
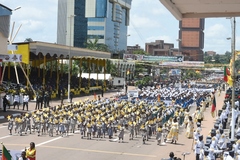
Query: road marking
[99,151]
[48,141]
[5,137]
[3,127]
[86,150]
[53,139]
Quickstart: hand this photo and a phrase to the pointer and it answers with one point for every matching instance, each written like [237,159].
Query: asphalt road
[74,148]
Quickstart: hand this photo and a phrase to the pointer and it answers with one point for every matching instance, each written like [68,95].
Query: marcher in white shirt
[25,101]
[16,101]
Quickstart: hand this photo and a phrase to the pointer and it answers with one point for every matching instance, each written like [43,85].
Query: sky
[149,21]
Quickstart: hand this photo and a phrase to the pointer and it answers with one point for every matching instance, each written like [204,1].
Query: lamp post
[17,8]
[233,42]
[69,56]
[233,26]
[179,40]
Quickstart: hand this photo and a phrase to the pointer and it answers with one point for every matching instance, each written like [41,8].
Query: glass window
[95,28]
[101,8]
[95,36]
[95,19]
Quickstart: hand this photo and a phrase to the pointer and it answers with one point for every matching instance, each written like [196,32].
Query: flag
[226,74]
[213,107]
[5,154]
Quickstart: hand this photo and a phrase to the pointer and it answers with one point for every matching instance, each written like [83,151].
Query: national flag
[5,154]
[213,107]
[226,74]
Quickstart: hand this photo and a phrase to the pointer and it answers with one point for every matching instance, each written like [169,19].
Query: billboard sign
[11,58]
[183,64]
[152,58]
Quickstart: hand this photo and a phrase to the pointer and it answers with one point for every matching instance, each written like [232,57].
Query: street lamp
[233,42]
[233,26]
[17,8]
[179,40]
[69,56]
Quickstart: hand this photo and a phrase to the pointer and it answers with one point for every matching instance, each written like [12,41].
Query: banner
[153,58]
[183,64]
[11,58]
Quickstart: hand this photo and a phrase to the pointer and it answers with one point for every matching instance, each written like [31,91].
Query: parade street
[74,148]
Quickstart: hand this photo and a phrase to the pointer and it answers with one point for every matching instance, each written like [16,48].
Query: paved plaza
[74,148]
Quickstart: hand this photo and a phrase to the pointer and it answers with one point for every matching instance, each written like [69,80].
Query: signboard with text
[152,58]
[183,64]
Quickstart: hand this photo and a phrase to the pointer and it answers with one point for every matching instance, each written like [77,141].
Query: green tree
[139,68]
[140,52]
[111,68]
[94,45]
[28,40]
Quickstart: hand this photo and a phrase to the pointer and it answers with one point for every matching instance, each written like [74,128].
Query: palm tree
[94,45]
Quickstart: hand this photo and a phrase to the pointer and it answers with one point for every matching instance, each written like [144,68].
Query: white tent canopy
[94,76]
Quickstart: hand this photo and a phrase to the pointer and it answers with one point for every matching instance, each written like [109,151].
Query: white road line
[40,144]
[3,127]
[48,141]
[5,137]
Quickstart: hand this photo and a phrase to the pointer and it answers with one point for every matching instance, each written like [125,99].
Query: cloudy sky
[149,21]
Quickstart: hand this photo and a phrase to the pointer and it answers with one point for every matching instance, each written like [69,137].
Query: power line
[139,34]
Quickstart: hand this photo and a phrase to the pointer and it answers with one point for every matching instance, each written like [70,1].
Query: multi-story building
[5,14]
[191,38]
[83,20]
[159,48]
[131,49]
[211,53]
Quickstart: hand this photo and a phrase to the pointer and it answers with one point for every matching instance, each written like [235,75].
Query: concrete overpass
[202,8]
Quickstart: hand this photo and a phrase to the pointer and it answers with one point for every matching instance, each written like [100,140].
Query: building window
[95,36]
[96,19]
[101,8]
[95,27]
